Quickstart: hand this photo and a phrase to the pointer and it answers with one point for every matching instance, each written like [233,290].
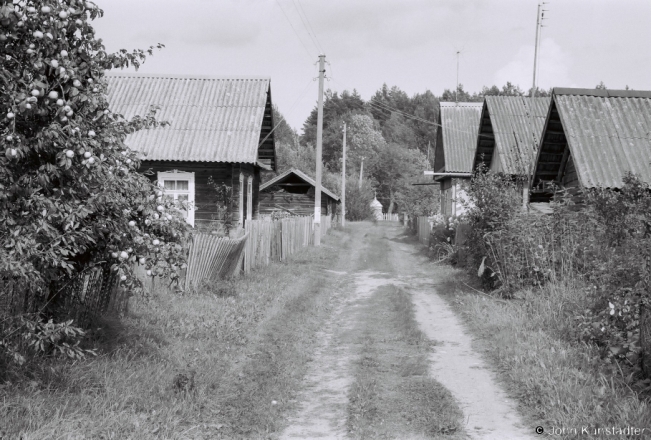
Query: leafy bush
[492,200]
[601,246]
[70,193]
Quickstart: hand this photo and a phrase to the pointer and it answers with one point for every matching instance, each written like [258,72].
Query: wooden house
[219,128]
[454,152]
[591,138]
[509,133]
[510,130]
[293,192]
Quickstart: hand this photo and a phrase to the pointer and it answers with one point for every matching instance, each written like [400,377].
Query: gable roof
[608,133]
[211,119]
[508,127]
[283,176]
[458,136]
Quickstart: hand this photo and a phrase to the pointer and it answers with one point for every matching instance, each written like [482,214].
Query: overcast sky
[408,43]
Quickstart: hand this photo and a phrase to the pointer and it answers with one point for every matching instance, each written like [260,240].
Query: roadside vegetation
[222,363]
[565,317]
[74,210]
[558,381]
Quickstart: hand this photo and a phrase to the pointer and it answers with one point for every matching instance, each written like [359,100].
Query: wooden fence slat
[264,241]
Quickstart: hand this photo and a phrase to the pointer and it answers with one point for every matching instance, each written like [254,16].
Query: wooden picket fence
[264,241]
[423,229]
[212,257]
[275,240]
[389,217]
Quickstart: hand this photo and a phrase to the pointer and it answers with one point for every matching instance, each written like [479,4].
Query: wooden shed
[219,128]
[591,138]
[456,142]
[293,192]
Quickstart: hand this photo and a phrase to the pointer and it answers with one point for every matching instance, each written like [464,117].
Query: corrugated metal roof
[301,175]
[211,119]
[459,127]
[521,118]
[607,135]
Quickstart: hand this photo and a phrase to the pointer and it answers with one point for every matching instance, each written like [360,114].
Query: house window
[249,198]
[179,186]
[241,204]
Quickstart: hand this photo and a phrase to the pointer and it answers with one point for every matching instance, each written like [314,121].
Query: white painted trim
[249,198]
[181,175]
[241,204]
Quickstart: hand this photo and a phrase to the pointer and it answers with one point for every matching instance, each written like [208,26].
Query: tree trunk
[391,202]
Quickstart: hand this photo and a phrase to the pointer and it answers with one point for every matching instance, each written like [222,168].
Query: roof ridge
[186,76]
[605,93]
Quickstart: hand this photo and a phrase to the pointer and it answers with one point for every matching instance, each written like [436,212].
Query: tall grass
[559,381]
[205,365]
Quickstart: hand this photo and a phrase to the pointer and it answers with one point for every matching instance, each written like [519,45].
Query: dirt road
[394,361]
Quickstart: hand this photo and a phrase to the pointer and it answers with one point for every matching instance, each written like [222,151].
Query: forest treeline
[392,133]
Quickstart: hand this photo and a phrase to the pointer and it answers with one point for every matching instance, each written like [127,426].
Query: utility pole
[343,182]
[539,18]
[361,172]
[319,147]
[456,94]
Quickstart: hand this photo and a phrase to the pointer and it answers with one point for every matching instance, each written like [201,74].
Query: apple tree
[70,193]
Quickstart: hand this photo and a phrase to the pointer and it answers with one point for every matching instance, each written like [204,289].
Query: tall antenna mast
[540,15]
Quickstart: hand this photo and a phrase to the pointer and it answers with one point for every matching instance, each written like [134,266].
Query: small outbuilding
[293,192]
[591,138]
[376,207]
[454,152]
[218,127]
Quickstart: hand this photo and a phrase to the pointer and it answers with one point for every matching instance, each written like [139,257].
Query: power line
[382,106]
[305,26]
[310,25]
[294,29]
[282,117]
[385,107]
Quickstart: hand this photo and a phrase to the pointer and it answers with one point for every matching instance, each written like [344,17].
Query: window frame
[181,175]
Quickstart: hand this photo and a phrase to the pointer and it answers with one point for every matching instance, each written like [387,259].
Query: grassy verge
[392,395]
[221,364]
[561,384]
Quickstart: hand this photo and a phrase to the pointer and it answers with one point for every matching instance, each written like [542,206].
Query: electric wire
[385,107]
[282,117]
[310,25]
[295,32]
[305,26]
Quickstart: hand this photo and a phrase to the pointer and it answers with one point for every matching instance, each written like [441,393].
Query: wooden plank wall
[222,173]
[570,177]
[298,204]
